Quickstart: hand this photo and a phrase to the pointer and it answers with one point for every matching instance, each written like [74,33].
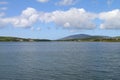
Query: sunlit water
[59,61]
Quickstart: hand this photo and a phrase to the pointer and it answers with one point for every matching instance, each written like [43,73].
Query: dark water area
[59,61]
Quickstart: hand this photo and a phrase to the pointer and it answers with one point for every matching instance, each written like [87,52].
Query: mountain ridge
[91,38]
[76,37]
[82,36]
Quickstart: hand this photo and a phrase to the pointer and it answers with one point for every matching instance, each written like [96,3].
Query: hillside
[90,38]
[16,39]
[77,36]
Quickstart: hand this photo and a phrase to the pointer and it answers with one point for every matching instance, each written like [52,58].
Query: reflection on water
[59,61]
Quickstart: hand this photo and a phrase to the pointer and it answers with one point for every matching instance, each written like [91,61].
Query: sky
[54,19]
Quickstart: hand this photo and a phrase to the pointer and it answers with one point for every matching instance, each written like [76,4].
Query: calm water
[59,61]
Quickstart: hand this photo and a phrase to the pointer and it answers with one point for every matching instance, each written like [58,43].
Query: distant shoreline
[59,41]
[74,38]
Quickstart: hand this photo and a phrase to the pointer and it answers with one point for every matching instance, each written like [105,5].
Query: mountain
[16,39]
[86,37]
[83,36]
[77,36]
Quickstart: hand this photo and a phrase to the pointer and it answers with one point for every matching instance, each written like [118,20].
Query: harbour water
[59,61]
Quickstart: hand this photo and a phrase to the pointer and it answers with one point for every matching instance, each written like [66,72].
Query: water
[59,61]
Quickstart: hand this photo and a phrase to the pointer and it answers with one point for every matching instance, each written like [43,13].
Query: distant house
[31,40]
[20,40]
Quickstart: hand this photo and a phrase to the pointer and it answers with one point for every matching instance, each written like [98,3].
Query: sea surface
[59,61]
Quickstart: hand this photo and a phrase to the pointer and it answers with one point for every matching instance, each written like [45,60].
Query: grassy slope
[90,39]
[20,39]
[96,39]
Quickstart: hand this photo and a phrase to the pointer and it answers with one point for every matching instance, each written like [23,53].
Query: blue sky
[53,19]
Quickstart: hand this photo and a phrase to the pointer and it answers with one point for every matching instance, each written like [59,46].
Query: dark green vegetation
[78,38]
[89,38]
[16,39]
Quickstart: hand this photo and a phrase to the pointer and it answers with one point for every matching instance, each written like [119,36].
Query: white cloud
[3,8]
[73,18]
[3,2]
[42,1]
[26,19]
[111,19]
[66,2]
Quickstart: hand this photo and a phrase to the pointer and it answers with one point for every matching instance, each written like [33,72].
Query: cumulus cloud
[42,1]
[110,19]
[66,2]
[73,18]
[26,19]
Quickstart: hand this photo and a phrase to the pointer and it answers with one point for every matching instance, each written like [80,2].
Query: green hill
[77,38]
[90,38]
[16,39]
